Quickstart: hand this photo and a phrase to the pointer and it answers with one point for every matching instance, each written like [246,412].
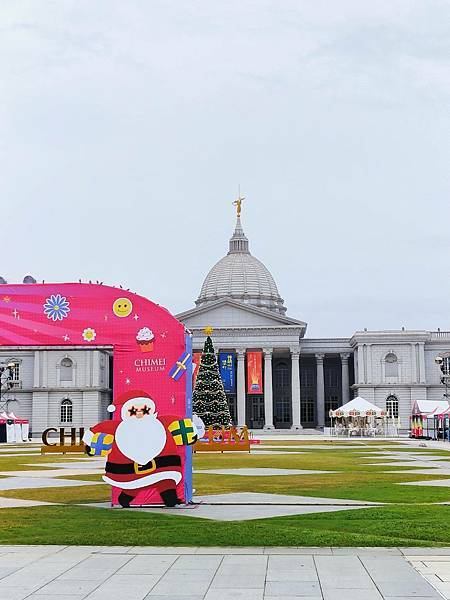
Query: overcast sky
[126,127]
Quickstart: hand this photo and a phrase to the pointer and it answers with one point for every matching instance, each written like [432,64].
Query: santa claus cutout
[142,448]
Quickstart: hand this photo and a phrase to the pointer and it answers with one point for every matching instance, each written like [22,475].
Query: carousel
[361,418]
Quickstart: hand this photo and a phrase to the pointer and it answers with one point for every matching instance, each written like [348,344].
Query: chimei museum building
[274,375]
[278,378]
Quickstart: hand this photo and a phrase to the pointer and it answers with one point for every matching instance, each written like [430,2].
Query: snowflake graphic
[56,307]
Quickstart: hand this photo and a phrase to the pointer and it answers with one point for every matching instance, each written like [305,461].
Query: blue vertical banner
[227,367]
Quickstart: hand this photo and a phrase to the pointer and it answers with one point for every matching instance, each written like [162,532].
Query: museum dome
[242,277]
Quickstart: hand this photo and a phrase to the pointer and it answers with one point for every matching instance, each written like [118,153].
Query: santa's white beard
[141,439]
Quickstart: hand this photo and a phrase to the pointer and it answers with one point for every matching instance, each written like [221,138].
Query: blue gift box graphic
[180,367]
[101,444]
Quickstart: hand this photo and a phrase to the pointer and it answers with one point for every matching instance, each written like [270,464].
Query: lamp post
[5,382]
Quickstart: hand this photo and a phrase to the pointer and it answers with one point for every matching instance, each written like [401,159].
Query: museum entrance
[255,412]
[282,394]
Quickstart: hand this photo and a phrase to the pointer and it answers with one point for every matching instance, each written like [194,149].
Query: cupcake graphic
[145,339]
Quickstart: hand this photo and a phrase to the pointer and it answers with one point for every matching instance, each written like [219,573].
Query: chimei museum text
[146,365]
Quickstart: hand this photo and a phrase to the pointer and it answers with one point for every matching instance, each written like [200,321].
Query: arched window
[14,369]
[66,411]
[66,369]
[392,406]
[391,365]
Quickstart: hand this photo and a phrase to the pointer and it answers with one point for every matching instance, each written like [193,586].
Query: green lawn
[410,516]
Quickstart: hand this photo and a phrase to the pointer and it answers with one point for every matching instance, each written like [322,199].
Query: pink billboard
[152,377]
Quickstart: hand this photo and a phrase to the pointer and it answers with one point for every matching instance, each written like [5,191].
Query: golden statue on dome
[238,204]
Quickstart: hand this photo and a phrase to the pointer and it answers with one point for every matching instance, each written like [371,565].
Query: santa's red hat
[120,400]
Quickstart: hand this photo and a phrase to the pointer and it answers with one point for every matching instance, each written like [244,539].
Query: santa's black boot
[124,500]
[170,498]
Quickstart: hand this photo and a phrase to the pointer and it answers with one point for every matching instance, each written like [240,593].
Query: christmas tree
[209,399]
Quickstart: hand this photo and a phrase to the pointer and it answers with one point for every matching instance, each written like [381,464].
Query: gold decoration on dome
[208,330]
[238,204]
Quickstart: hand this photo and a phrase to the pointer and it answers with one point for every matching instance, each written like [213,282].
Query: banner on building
[196,358]
[254,373]
[227,371]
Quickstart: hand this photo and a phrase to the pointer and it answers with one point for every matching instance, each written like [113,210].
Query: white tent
[358,407]
[429,408]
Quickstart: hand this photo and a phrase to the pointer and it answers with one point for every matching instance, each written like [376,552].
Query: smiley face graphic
[122,307]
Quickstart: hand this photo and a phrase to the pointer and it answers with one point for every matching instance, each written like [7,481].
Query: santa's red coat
[139,480]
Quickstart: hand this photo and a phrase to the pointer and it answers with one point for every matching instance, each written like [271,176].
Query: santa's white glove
[87,437]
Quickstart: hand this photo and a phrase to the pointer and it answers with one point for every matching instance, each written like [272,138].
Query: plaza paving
[260,573]
[247,506]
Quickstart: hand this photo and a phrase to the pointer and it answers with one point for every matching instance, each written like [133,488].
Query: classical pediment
[232,313]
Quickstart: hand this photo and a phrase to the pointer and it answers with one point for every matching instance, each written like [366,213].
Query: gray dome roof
[241,276]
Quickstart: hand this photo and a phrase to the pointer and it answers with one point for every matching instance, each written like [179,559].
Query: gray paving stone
[277,499]
[391,568]
[298,551]
[290,588]
[175,597]
[405,588]
[230,550]
[166,587]
[20,483]
[149,565]
[172,550]
[240,580]
[342,572]
[61,588]
[236,594]
[19,503]
[352,594]
[15,594]
[196,562]
[266,597]
[56,597]
[411,551]
[367,551]
[428,483]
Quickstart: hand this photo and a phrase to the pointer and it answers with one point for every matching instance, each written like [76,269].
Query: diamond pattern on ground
[262,472]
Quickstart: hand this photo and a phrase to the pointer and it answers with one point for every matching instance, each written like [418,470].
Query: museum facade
[303,378]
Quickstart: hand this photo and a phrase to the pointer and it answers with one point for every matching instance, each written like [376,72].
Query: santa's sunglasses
[145,410]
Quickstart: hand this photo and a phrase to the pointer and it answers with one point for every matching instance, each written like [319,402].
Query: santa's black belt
[135,469]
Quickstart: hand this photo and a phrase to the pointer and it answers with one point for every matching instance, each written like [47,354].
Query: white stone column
[422,377]
[45,368]
[345,377]
[413,363]
[361,368]
[37,367]
[241,387]
[268,391]
[320,391]
[369,363]
[295,385]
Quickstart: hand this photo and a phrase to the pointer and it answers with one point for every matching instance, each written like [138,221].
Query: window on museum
[392,406]
[66,411]
[307,377]
[15,370]
[391,365]
[445,367]
[308,408]
[331,378]
[66,369]
[282,375]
